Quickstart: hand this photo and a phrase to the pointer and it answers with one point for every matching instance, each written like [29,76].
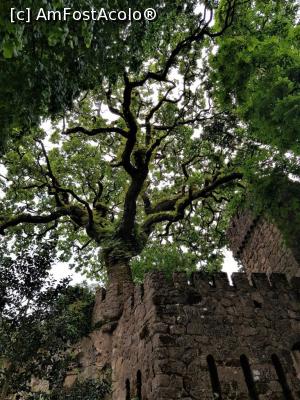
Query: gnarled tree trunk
[109,303]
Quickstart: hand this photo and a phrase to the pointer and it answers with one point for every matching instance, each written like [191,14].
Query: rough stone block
[221,280]
[261,281]
[241,281]
[279,281]
[202,281]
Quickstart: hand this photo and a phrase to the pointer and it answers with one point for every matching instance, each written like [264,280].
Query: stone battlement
[208,283]
[184,289]
[190,337]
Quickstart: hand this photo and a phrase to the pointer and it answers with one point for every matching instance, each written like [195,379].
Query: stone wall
[260,247]
[199,339]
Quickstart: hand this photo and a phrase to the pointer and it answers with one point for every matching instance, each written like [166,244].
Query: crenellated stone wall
[199,338]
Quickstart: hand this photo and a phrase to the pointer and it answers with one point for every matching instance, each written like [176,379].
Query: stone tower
[260,246]
[269,243]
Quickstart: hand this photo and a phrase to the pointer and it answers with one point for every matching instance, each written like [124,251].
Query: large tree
[142,165]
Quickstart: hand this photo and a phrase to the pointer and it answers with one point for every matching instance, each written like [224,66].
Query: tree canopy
[150,158]
[39,318]
[260,84]
[51,63]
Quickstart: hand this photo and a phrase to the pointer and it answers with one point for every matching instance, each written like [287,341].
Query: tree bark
[119,289]
[119,273]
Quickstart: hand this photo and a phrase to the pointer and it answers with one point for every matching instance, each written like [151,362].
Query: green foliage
[170,258]
[261,83]
[166,258]
[38,319]
[87,390]
[51,63]
[150,155]
[85,164]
